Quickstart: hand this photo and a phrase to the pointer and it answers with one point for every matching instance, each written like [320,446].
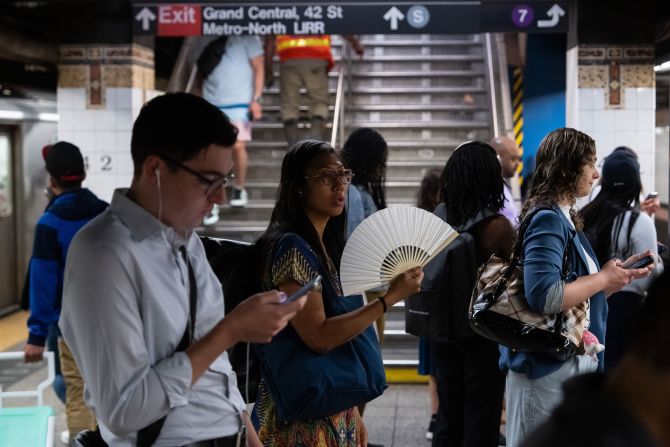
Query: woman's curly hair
[559,163]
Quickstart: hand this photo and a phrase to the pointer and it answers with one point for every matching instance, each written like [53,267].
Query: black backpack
[236,264]
[439,312]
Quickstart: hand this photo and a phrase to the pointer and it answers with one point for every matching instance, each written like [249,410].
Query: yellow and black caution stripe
[517,106]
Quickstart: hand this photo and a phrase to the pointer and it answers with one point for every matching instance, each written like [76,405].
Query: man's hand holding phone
[651,203]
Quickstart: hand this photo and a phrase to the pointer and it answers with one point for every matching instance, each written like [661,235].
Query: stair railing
[338,112]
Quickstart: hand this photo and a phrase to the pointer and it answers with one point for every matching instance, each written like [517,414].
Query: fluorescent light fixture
[665,66]
[47,117]
[12,115]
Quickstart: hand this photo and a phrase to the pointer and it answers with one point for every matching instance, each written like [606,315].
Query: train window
[5,176]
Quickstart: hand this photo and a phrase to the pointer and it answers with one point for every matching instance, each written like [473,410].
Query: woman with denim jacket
[565,170]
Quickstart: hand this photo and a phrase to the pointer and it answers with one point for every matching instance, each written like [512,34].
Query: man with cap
[508,154]
[70,208]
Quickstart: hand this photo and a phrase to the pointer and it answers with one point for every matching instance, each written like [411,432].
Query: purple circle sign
[523,15]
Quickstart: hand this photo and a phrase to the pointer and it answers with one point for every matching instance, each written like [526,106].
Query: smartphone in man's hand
[640,263]
[304,290]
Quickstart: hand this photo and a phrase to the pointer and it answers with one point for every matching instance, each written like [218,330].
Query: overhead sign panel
[372,17]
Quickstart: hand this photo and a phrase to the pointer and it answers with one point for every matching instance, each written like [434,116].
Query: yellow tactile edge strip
[13,329]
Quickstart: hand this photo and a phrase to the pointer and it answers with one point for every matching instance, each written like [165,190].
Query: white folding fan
[390,242]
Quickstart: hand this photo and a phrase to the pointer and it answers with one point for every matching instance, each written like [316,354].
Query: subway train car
[26,125]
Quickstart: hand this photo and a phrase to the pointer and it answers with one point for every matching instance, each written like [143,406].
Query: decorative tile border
[96,67]
[634,75]
[106,54]
[615,68]
[592,76]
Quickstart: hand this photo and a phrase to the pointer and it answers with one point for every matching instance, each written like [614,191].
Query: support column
[616,101]
[101,88]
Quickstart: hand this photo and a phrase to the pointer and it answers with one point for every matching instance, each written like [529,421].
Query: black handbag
[500,312]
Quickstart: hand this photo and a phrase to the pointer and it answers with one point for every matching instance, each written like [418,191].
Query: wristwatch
[257,99]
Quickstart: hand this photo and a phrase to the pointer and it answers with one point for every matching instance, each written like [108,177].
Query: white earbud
[157,171]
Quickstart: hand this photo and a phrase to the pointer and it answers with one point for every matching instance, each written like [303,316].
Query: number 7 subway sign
[179,20]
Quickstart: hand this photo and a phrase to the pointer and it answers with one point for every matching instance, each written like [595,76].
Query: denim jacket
[543,246]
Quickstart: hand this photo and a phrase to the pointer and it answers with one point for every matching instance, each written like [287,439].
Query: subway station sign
[163,18]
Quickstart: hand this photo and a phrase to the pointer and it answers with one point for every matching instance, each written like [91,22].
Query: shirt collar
[143,224]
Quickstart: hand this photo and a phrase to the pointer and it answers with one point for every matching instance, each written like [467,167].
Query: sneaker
[213,217]
[431,427]
[240,197]
[65,437]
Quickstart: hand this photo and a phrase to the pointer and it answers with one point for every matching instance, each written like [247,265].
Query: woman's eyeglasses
[212,185]
[330,177]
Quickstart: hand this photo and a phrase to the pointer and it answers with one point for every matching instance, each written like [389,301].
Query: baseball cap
[64,161]
[620,169]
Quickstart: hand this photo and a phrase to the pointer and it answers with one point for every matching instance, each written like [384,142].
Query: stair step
[368,43]
[275,108]
[417,74]
[424,125]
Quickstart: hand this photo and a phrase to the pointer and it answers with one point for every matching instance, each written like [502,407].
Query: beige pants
[312,77]
[79,417]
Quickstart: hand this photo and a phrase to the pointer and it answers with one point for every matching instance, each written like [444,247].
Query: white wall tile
[86,140]
[106,140]
[604,141]
[83,119]
[125,162]
[118,98]
[625,138]
[645,120]
[646,98]
[603,120]
[123,141]
[124,120]
[598,99]
[136,97]
[105,120]
[625,119]
[585,99]
[645,142]
[630,98]
[63,100]
[585,121]
[65,120]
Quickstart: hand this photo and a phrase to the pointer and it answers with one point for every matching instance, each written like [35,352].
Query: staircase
[425,93]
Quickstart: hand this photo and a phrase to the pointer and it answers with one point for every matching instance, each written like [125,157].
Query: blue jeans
[52,345]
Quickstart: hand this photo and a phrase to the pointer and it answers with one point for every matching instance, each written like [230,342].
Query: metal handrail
[338,112]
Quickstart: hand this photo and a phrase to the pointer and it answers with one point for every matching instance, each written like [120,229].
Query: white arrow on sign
[394,15]
[145,16]
[555,12]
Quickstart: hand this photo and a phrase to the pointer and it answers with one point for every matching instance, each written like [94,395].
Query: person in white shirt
[143,313]
[510,157]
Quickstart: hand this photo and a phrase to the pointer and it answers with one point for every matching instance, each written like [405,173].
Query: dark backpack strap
[148,435]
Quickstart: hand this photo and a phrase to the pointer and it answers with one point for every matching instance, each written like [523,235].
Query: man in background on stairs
[304,63]
[70,208]
[509,156]
[231,76]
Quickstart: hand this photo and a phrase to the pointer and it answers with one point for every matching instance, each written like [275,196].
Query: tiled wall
[97,108]
[616,101]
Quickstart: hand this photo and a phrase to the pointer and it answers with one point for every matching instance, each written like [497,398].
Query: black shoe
[431,427]
[501,439]
[370,444]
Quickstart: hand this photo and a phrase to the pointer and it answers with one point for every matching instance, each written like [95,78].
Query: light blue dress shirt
[125,309]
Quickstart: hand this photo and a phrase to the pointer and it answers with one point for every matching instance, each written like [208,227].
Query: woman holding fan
[305,238]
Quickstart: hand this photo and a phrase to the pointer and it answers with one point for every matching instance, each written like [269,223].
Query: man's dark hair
[288,215]
[365,153]
[650,337]
[471,182]
[178,126]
